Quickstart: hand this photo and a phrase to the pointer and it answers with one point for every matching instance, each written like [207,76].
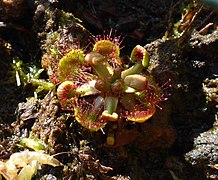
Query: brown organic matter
[179,141]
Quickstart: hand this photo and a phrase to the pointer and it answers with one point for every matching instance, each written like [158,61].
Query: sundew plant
[100,89]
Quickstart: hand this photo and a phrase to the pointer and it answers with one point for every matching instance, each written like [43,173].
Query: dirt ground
[178,142]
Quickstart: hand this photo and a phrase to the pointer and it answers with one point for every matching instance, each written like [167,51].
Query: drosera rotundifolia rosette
[100,89]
